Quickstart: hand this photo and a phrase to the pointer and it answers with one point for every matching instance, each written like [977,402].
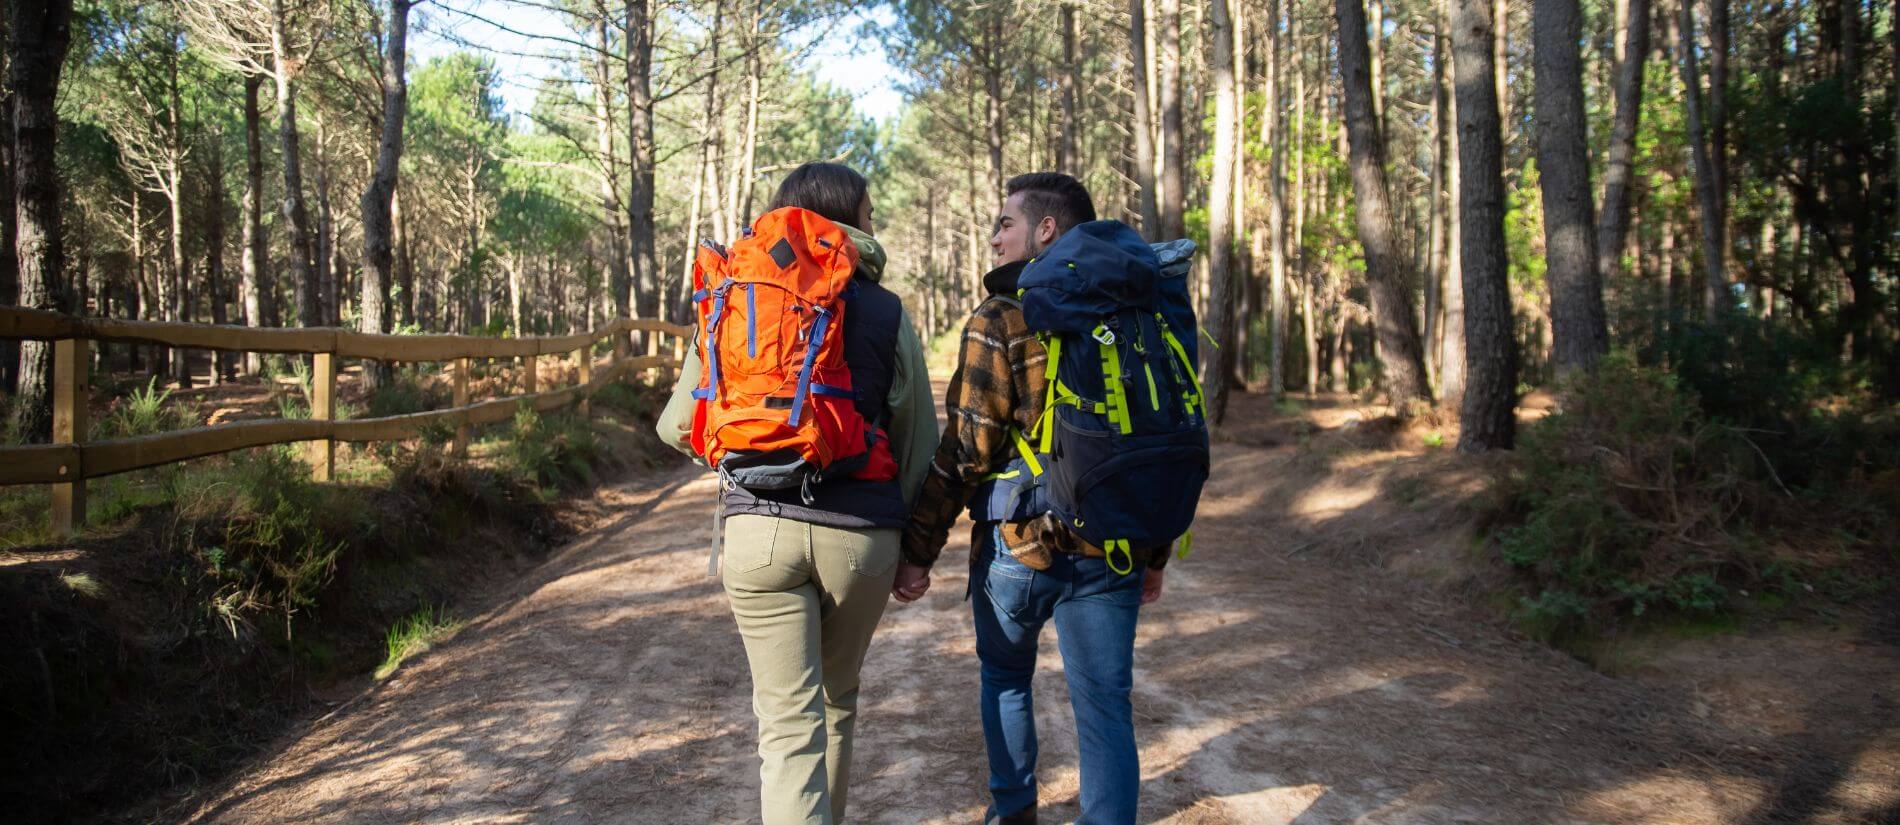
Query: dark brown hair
[1053,195]
[829,189]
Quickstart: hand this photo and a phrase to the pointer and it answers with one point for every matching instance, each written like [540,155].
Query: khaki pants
[807,599]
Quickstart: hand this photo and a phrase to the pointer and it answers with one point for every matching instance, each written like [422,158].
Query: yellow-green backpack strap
[1116,394]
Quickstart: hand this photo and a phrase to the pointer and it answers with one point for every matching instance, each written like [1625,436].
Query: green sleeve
[675,426]
[913,429]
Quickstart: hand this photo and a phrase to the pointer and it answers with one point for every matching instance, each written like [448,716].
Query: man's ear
[1046,231]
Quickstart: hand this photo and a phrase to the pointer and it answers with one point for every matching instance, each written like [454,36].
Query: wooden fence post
[459,398]
[531,380]
[323,408]
[69,427]
[584,360]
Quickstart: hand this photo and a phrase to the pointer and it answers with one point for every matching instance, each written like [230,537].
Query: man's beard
[1032,249]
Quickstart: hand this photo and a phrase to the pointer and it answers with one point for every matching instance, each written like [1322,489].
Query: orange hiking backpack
[776,409]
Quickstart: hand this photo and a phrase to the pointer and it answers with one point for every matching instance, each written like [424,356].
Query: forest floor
[1326,655]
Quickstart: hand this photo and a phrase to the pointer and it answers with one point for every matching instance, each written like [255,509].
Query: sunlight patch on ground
[1330,500]
[1271,806]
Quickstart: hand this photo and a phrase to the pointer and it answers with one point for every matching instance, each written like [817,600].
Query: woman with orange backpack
[806,392]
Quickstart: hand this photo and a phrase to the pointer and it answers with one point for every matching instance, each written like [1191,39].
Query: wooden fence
[70,460]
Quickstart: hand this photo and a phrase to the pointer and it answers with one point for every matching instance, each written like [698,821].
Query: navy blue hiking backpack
[1120,450]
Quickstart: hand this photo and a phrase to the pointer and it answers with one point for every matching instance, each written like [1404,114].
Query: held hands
[1151,585]
[911,583]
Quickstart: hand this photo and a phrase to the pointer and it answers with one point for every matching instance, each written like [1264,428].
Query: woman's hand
[911,583]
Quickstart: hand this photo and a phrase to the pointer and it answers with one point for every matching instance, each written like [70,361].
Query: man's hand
[1150,585]
[911,583]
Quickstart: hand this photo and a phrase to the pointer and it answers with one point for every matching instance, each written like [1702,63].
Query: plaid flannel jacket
[998,384]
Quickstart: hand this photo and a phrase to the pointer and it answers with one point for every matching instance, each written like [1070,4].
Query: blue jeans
[1094,610]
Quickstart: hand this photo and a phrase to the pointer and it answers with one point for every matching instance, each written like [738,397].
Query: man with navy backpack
[1078,486]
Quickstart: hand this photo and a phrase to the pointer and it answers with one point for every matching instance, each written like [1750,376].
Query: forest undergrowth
[213,602]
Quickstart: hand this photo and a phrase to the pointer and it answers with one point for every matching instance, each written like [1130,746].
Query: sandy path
[1272,688]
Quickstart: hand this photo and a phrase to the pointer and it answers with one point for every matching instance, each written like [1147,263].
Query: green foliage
[626,398]
[141,412]
[413,635]
[404,393]
[1636,500]
[552,451]
[261,535]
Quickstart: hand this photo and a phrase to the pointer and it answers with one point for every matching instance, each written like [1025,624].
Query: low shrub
[141,412]
[556,451]
[1634,501]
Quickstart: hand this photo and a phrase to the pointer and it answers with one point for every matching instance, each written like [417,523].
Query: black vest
[871,320]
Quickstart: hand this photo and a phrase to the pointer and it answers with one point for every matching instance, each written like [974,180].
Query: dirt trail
[1295,672]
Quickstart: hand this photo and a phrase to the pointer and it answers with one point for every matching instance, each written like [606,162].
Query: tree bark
[254,267]
[643,257]
[326,230]
[1620,167]
[303,272]
[379,250]
[1579,329]
[1222,314]
[1144,126]
[619,258]
[1066,147]
[1397,330]
[1436,211]
[1487,416]
[993,101]
[741,185]
[214,248]
[9,250]
[1273,125]
[38,34]
[1173,199]
[1708,197]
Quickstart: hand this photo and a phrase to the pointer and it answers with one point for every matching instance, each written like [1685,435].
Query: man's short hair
[1053,195]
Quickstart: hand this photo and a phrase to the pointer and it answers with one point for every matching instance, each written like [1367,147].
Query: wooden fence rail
[70,460]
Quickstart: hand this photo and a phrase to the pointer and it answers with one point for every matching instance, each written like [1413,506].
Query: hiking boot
[1026,816]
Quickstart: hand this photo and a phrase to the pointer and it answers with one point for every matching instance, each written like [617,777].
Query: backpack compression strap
[712,342]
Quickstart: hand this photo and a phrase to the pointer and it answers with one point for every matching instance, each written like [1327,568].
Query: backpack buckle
[1103,335]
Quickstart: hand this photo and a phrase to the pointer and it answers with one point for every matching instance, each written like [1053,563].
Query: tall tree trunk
[993,125]
[1066,148]
[1500,64]
[1613,215]
[38,34]
[1579,328]
[1220,228]
[325,255]
[1708,196]
[619,256]
[1488,419]
[9,250]
[178,303]
[640,230]
[1399,348]
[303,271]
[1451,359]
[1173,152]
[1273,128]
[404,264]
[1377,44]
[1435,209]
[214,247]
[745,168]
[179,308]
[379,250]
[1144,126]
[255,260]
